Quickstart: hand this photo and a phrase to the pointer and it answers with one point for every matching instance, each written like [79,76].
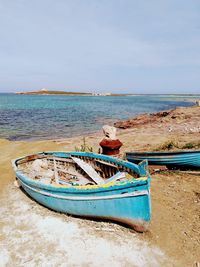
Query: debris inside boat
[74,171]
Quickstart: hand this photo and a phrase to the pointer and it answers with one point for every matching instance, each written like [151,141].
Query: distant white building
[44,90]
[101,94]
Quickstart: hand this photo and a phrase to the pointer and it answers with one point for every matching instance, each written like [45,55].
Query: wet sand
[174,235]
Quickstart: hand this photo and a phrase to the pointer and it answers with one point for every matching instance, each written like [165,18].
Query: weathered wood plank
[56,172]
[115,177]
[61,159]
[89,170]
[106,163]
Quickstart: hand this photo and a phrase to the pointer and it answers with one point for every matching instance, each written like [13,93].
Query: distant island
[45,91]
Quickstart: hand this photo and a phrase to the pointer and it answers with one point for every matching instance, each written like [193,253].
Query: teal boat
[88,185]
[185,159]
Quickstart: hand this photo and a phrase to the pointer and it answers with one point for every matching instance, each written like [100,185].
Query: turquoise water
[44,117]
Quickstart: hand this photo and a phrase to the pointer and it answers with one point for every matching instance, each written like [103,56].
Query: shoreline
[68,129]
[164,119]
[175,195]
[113,122]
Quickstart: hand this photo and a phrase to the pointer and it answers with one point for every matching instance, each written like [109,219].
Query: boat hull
[173,160]
[126,202]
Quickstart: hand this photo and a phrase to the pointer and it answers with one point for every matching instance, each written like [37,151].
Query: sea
[36,117]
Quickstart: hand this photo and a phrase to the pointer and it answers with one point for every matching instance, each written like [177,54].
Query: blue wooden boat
[126,200]
[188,159]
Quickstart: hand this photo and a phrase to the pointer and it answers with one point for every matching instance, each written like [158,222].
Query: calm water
[45,117]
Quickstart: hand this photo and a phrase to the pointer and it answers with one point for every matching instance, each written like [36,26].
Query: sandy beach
[175,225]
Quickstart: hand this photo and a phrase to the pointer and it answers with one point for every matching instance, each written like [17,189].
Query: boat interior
[74,170]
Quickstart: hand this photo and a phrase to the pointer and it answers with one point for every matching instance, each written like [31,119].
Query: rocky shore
[182,119]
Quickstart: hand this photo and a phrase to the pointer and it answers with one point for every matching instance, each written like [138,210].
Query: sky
[121,46]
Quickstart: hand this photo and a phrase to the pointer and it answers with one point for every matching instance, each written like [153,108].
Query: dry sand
[174,235]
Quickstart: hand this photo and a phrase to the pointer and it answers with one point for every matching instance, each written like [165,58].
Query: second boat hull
[173,160]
